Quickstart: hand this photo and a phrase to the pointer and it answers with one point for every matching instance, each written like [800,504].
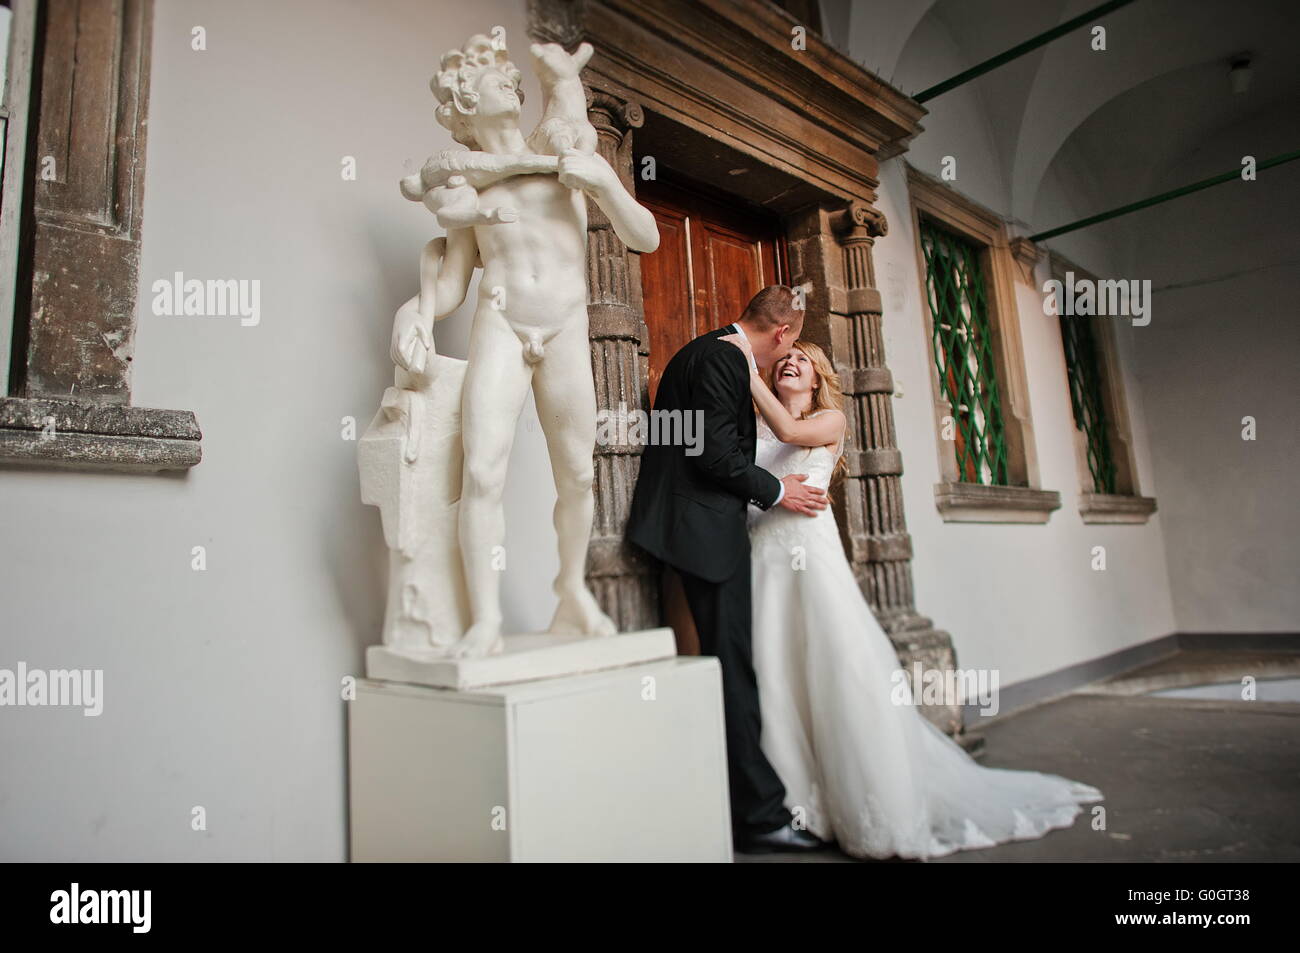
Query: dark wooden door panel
[665,280]
[733,272]
[713,257]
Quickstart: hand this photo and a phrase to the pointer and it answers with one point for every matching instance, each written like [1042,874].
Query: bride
[858,766]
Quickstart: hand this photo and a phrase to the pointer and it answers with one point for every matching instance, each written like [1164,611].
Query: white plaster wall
[957,125]
[1223,344]
[223,687]
[1019,598]
[1100,248]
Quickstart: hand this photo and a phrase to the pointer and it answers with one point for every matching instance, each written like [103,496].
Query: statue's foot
[482,639]
[578,614]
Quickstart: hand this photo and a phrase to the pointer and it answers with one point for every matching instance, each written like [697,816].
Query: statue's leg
[566,406]
[496,385]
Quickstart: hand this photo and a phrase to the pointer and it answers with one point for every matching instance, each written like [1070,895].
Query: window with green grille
[963,352]
[1083,366]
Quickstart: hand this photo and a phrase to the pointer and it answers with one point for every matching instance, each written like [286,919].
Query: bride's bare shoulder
[831,414]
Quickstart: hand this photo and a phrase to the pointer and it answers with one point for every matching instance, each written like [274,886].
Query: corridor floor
[1185,779]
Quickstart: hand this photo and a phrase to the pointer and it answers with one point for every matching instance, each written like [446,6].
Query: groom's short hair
[772,307]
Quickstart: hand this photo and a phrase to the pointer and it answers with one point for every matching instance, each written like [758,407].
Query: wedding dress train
[874,775]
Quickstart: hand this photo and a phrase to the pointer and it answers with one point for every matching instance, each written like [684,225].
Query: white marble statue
[517,208]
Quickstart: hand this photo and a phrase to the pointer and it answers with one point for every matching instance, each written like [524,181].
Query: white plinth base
[525,657]
[623,765]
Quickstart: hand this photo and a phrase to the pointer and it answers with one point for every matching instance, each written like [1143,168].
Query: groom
[689,511]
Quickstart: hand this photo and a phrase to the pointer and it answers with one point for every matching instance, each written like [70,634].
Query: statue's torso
[540,261]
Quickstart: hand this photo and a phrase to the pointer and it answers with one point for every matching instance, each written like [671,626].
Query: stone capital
[858,222]
[613,113]
[1026,255]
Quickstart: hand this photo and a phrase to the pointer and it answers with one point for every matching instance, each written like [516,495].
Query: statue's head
[476,83]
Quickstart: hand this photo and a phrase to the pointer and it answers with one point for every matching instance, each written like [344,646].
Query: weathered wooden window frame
[74,317]
[1129,505]
[1022,500]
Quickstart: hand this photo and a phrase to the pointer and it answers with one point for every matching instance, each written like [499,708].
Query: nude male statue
[530,323]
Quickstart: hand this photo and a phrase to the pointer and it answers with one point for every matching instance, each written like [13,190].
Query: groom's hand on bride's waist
[801,498]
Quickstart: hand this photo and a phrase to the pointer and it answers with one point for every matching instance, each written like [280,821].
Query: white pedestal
[623,765]
[524,657]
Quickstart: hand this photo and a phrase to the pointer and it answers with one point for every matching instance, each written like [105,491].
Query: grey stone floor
[1184,779]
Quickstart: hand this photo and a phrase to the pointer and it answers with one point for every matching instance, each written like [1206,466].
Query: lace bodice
[782,459]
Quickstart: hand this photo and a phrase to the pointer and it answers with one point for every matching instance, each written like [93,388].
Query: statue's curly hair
[457,82]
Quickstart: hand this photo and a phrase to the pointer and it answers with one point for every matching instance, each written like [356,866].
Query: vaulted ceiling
[1114,126]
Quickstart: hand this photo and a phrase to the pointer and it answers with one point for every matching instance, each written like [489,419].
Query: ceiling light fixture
[1240,73]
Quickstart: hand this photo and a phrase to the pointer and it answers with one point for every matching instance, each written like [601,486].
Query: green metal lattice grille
[963,353]
[1084,372]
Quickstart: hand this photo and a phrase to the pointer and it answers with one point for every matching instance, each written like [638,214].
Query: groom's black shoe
[785,839]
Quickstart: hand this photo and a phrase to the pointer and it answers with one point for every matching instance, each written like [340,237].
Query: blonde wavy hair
[826,394]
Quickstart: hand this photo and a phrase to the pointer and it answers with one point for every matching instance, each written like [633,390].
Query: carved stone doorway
[715,92]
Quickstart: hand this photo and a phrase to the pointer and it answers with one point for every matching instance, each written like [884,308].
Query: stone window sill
[1111,508]
[84,436]
[977,503]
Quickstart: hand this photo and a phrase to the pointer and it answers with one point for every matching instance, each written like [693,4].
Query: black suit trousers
[722,613]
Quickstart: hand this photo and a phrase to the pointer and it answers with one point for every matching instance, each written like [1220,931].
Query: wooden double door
[714,255]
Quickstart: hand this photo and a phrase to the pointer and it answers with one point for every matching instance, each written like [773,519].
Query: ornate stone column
[623,581]
[879,546]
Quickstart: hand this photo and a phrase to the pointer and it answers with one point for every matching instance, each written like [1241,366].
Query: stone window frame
[13,154]
[1130,506]
[1022,500]
[67,399]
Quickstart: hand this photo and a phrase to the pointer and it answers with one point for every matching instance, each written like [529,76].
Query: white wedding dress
[873,775]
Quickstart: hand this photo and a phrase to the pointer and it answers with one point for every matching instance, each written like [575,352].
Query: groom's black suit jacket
[689,511]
